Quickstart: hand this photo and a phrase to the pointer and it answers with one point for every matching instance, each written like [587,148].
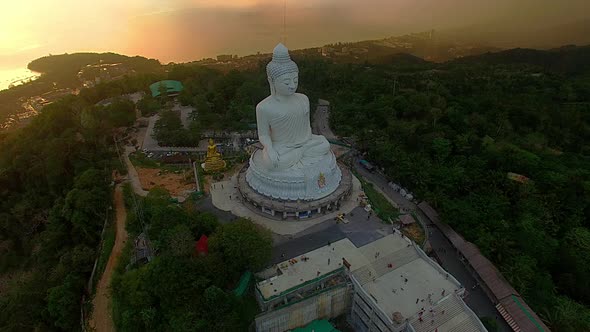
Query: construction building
[386,285]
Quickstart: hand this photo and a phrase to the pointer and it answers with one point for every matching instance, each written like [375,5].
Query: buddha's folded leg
[289,156]
[316,146]
[263,160]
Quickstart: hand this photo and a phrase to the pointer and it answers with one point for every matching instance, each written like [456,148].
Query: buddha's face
[286,84]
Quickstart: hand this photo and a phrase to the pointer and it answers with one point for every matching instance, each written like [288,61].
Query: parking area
[362,228]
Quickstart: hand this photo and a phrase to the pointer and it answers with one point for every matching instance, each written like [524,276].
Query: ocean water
[15,76]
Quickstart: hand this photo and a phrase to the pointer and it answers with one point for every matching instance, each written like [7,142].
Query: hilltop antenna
[285,23]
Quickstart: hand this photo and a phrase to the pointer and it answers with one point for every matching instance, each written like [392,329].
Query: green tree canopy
[243,245]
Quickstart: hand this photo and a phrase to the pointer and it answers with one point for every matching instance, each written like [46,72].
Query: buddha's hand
[274,157]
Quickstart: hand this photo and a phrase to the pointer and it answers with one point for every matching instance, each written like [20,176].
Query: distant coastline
[16,76]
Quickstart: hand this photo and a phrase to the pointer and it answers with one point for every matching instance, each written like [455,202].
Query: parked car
[367,165]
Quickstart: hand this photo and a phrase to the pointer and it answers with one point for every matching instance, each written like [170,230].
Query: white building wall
[329,304]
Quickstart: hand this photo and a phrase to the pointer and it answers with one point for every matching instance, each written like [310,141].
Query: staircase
[452,308]
[507,318]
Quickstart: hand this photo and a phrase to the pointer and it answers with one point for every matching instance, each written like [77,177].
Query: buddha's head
[282,72]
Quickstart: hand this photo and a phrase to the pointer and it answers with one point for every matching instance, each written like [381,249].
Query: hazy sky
[184,30]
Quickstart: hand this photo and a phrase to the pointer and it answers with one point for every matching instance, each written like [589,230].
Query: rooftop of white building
[393,272]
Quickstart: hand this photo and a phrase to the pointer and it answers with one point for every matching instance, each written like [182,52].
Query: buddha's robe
[287,125]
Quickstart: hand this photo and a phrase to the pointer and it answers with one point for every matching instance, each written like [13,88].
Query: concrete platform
[295,210]
[226,197]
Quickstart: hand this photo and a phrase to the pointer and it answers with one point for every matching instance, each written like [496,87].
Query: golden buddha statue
[213,162]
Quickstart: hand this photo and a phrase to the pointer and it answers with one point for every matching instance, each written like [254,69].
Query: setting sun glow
[185,30]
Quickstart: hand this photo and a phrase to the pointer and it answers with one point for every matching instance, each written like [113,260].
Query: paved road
[306,243]
[206,204]
[476,299]
[360,230]
[321,123]
[381,181]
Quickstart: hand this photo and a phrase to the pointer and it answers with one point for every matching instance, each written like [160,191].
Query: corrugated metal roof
[523,315]
[487,272]
[457,240]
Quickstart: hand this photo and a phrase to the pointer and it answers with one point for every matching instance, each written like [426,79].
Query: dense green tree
[169,130]
[137,302]
[179,241]
[24,305]
[574,264]
[243,245]
[120,113]
[163,93]
[56,200]
[202,223]
[450,132]
[451,135]
[148,105]
[63,303]
[568,315]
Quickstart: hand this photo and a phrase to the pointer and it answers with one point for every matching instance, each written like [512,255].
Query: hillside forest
[450,132]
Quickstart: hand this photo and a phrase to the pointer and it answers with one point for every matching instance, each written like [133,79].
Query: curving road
[321,122]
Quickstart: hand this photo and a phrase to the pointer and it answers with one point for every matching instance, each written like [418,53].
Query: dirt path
[132,173]
[102,318]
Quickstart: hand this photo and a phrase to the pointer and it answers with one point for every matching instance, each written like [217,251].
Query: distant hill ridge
[403,59]
[426,45]
[75,61]
[568,59]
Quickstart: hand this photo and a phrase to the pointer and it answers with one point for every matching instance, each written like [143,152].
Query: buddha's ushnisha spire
[281,63]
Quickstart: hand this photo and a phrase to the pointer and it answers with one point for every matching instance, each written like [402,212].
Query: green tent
[243,284]
[317,326]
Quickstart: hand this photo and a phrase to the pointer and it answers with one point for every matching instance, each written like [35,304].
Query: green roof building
[173,88]
[317,326]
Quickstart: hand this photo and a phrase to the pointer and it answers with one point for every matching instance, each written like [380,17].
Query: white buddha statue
[294,164]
